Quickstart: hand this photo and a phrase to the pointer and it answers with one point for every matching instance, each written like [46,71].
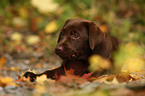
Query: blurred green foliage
[123,18]
[129,58]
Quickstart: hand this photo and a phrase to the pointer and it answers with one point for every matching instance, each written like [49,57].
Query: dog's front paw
[31,75]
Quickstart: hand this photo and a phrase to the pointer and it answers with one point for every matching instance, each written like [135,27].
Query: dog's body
[78,40]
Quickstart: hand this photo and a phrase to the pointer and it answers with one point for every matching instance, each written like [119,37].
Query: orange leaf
[104,28]
[123,77]
[7,81]
[69,72]
[87,76]
[19,78]
[70,77]
[22,78]
[2,61]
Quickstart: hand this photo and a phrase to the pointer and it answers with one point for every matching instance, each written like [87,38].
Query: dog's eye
[62,33]
[75,35]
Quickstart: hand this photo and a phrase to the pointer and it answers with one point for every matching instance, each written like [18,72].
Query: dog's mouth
[74,55]
[69,56]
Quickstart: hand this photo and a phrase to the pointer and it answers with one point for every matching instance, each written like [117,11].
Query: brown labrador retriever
[78,40]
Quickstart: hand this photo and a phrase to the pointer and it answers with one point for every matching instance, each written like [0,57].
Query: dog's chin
[71,56]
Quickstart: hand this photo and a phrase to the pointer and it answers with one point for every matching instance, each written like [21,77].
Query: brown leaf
[123,77]
[33,22]
[70,78]
[138,75]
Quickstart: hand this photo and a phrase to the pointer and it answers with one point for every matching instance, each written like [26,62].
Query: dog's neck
[78,66]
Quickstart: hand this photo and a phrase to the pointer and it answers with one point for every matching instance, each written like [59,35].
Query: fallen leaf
[105,78]
[34,23]
[19,22]
[45,6]
[32,39]
[5,81]
[133,64]
[41,79]
[15,69]
[104,28]
[39,90]
[138,75]
[16,37]
[87,76]
[51,27]
[129,58]
[20,48]
[114,81]
[69,72]
[23,12]
[69,78]
[2,61]
[97,63]
[39,65]
[33,71]
[19,78]
[124,77]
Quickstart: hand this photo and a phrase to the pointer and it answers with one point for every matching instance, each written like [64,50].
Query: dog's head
[77,39]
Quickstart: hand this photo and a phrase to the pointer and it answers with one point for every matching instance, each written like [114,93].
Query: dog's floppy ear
[62,28]
[95,34]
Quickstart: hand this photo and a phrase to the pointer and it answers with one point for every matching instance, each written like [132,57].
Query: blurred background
[28,35]
[29,29]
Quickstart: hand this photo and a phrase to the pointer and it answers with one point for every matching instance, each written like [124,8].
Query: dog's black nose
[59,49]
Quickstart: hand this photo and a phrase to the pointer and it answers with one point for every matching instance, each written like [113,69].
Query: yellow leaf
[51,27]
[41,79]
[114,81]
[32,39]
[15,69]
[7,81]
[45,6]
[33,71]
[39,90]
[129,58]
[97,63]
[133,64]
[17,37]
[23,12]
[19,22]
[104,28]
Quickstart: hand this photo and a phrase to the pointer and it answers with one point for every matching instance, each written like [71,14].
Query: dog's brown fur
[78,40]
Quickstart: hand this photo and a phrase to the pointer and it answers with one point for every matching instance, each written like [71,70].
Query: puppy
[78,40]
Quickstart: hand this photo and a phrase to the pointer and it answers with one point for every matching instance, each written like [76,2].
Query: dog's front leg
[53,74]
